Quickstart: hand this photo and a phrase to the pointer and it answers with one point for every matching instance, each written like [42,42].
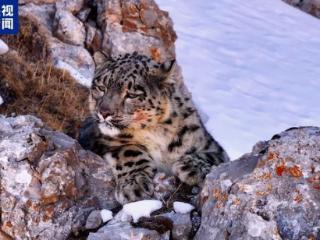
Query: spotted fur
[143,120]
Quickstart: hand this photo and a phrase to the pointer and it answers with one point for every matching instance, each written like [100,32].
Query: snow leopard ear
[164,70]
[99,58]
[167,67]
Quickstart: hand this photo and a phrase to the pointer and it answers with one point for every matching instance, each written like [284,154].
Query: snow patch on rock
[106,215]
[183,208]
[141,208]
[3,49]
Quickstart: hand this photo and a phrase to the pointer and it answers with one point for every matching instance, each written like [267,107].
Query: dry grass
[37,87]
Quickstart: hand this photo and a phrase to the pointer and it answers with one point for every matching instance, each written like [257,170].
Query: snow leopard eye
[101,88]
[98,91]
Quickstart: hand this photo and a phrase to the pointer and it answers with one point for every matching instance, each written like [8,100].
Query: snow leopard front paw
[134,188]
[191,170]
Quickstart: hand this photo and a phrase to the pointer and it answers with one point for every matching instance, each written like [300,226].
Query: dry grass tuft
[36,87]
[31,42]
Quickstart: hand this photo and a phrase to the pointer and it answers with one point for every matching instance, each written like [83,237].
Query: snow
[106,215]
[141,208]
[3,49]
[1,100]
[183,208]
[252,66]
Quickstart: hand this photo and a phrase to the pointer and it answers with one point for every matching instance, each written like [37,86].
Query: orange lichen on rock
[264,176]
[273,155]
[295,171]
[50,199]
[220,196]
[280,169]
[49,211]
[298,197]
[236,202]
[266,192]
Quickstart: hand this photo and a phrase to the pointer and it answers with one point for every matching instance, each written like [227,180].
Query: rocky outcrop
[271,193]
[53,189]
[49,184]
[74,30]
[310,6]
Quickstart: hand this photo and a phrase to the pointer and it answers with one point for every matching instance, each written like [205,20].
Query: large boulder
[124,231]
[74,30]
[49,184]
[310,6]
[271,193]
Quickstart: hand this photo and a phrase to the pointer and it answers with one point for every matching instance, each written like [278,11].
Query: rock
[121,216]
[93,38]
[3,47]
[272,193]
[74,59]
[310,6]
[38,2]
[83,14]
[140,26]
[73,6]
[41,15]
[124,231]
[181,225]
[49,184]
[114,27]
[94,220]
[69,29]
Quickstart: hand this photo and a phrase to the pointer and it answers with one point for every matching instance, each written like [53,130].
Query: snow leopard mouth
[108,129]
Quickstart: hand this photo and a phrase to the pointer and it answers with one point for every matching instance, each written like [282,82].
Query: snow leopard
[143,120]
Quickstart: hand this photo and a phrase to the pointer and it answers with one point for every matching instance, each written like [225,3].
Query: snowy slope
[253,66]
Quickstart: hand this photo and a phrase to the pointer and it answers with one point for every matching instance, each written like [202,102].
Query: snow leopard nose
[105,111]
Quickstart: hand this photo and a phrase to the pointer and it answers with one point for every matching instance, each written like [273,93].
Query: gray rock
[73,6]
[49,185]
[124,231]
[272,193]
[83,14]
[121,27]
[74,59]
[93,38]
[140,26]
[309,6]
[69,29]
[38,2]
[94,220]
[181,225]
[41,14]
